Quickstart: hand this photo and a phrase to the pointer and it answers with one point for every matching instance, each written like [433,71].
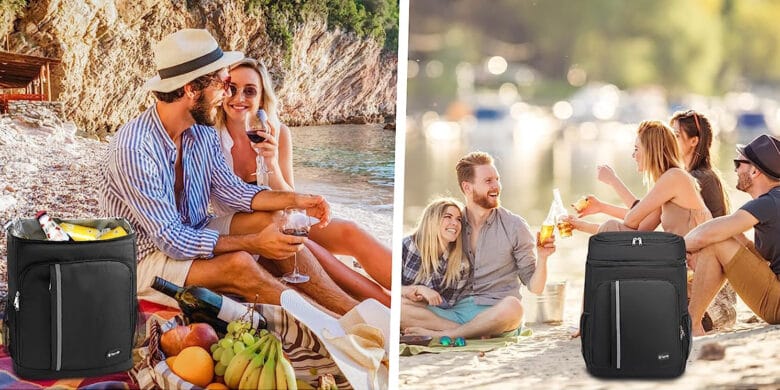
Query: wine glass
[295,222]
[256,124]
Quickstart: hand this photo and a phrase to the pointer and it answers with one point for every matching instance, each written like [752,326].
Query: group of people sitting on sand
[182,174]
[462,266]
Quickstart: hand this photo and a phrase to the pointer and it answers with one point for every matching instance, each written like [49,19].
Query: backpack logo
[663,356]
[113,353]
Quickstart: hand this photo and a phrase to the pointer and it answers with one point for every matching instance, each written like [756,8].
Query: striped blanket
[304,349]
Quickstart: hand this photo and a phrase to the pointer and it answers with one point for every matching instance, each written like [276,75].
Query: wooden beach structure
[24,77]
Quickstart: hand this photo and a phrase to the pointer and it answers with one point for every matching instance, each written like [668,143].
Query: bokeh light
[497,65]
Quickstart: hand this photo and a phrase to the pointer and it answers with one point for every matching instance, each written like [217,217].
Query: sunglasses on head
[738,162]
[695,119]
[249,91]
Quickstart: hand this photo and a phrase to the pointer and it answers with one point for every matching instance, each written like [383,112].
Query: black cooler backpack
[635,320]
[71,309]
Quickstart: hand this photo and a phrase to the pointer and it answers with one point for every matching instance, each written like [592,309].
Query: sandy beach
[551,359]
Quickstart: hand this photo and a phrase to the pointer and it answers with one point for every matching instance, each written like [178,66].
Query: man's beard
[203,113]
[744,182]
[486,202]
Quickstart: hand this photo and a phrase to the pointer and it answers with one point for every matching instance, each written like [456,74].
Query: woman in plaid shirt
[434,268]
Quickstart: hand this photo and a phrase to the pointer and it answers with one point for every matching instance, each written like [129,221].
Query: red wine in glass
[296,232]
[254,137]
[295,222]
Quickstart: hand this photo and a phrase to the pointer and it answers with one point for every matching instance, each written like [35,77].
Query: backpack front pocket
[93,314]
[646,332]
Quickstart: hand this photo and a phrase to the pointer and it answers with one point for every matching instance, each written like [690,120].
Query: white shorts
[174,271]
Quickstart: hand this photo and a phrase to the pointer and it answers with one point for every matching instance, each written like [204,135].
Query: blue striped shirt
[138,184]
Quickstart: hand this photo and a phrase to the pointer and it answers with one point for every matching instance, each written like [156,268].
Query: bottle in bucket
[53,231]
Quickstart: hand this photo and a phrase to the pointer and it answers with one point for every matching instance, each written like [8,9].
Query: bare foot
[576,334]
[420,331]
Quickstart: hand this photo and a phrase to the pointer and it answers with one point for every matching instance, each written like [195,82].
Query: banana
[250,378]
[267,378]
[285,374]
[235,369]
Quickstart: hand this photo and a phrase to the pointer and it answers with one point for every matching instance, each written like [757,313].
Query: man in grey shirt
[500,248]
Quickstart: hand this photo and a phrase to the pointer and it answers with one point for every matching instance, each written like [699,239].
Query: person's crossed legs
[748,273]
[472,321]
[240,274]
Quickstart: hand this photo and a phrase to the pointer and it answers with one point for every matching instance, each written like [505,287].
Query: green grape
[214,347]
[226,357]
[248,339]
[238,346]
[226,343]
[231,327]
[217,354]
[219,369]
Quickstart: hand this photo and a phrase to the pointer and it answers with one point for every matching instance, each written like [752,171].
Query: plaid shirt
[412,262]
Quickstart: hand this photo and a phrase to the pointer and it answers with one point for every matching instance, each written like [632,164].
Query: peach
[197,334]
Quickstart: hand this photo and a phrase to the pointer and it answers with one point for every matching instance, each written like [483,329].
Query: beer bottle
[548,226]
[564,227]
[200,304]
[53,231]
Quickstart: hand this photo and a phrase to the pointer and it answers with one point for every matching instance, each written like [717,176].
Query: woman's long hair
[695,124]
[268,101]
[660,150]
[427,239]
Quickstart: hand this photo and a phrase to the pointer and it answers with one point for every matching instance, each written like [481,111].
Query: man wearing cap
[723,252]
[162,168]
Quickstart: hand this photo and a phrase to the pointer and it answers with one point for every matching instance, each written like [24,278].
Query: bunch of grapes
[240,334]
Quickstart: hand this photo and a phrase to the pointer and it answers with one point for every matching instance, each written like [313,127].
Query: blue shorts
[464,310]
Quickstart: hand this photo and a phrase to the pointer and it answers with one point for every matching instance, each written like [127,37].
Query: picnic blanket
[472,345]
[120,380]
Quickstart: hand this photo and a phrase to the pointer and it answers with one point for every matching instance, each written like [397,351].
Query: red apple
[197,334]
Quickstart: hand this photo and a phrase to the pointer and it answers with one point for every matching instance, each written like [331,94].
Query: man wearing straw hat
[721,250]
[164,165]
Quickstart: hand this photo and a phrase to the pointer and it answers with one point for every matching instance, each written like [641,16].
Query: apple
[198,334]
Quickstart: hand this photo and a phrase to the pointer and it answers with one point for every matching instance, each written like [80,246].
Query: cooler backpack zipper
[617,321]
[57,344]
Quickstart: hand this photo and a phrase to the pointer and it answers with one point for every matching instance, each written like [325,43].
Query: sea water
[353,167]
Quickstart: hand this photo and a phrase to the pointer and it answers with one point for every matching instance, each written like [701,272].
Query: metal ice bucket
[546,307]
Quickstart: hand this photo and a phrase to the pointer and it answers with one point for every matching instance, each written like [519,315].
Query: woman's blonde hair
[660,150]
[427,239]
[268,100]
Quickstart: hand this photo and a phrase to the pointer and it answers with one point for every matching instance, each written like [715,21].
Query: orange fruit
[170,360]
[216,386]
[194,365]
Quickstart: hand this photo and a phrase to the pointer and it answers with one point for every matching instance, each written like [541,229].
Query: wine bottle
[200,304]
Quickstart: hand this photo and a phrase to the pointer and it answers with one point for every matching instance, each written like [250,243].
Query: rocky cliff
[106,53]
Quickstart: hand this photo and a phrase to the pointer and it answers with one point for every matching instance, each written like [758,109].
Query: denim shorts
[464,310]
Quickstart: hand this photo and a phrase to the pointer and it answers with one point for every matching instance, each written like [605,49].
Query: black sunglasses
[738,162]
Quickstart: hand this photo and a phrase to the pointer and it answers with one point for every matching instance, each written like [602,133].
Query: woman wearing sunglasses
[252,89]
[673,200]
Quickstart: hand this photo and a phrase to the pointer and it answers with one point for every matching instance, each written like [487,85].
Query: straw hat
[186,55]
